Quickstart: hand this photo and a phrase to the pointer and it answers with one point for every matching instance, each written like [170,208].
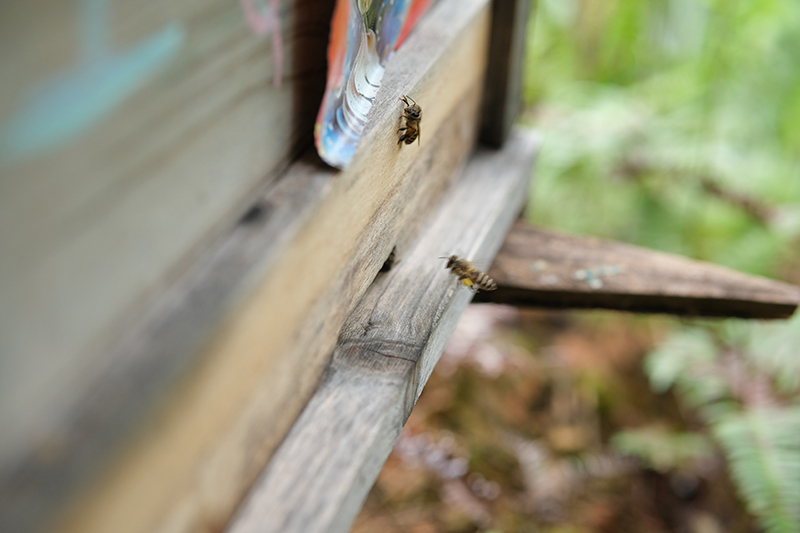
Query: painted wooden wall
[171,287]
[131,133]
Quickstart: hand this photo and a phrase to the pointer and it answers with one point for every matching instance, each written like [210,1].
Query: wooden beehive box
[200,328]
[176,264]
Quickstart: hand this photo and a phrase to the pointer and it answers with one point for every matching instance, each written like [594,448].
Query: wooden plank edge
[320,475]
[538,267]
[637,303]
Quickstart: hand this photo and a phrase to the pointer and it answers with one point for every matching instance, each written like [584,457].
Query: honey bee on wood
[413,115]
[469,275]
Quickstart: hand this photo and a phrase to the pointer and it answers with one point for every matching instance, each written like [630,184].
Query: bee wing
[481,263]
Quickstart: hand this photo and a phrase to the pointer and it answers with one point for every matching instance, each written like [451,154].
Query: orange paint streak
[417,9]
[337,46]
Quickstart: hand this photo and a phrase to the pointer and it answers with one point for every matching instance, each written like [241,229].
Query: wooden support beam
[503,93]
[180,414]
[319,477]
[542,268]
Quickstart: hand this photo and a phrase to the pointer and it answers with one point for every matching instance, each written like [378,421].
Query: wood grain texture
[541,268]
[139,371]
[197,395]
[504,75]
[150,167]
[319,477]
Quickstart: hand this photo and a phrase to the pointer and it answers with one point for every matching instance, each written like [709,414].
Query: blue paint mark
[72,101]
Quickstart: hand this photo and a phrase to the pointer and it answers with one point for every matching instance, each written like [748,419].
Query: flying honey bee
[413,115]
[469,275]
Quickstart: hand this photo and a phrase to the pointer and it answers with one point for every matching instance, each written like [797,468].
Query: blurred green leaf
[763,450]
[661,449]
[675,125]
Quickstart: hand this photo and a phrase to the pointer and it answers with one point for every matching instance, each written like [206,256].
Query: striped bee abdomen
[469,275]
[485,282]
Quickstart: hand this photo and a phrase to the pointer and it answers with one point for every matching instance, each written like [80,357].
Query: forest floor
[515,433]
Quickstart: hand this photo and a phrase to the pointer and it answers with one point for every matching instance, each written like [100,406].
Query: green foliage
[661,449]
[763,451]
[743,381]
[687,360]
[644,103]
[701,361]
[675,124]
[777,346]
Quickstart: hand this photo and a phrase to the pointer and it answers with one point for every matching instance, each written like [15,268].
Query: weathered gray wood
[503,93]
[132,134]
[542,268]
[157,350]
[320,475]
[208,384]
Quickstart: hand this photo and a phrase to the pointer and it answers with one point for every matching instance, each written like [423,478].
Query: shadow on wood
[503,86]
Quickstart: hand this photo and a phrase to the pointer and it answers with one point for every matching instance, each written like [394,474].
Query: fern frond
[774,348]
[661,448]
[763,450]
[686,359]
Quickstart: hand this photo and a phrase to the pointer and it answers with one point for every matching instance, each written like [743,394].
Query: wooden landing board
[179,417]
[318,479]
[542,268]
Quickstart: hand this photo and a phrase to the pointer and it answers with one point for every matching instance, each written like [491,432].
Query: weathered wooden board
[139,371]
[131,134]
[504,75]
[222,365]
[319,477]
[542,268]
